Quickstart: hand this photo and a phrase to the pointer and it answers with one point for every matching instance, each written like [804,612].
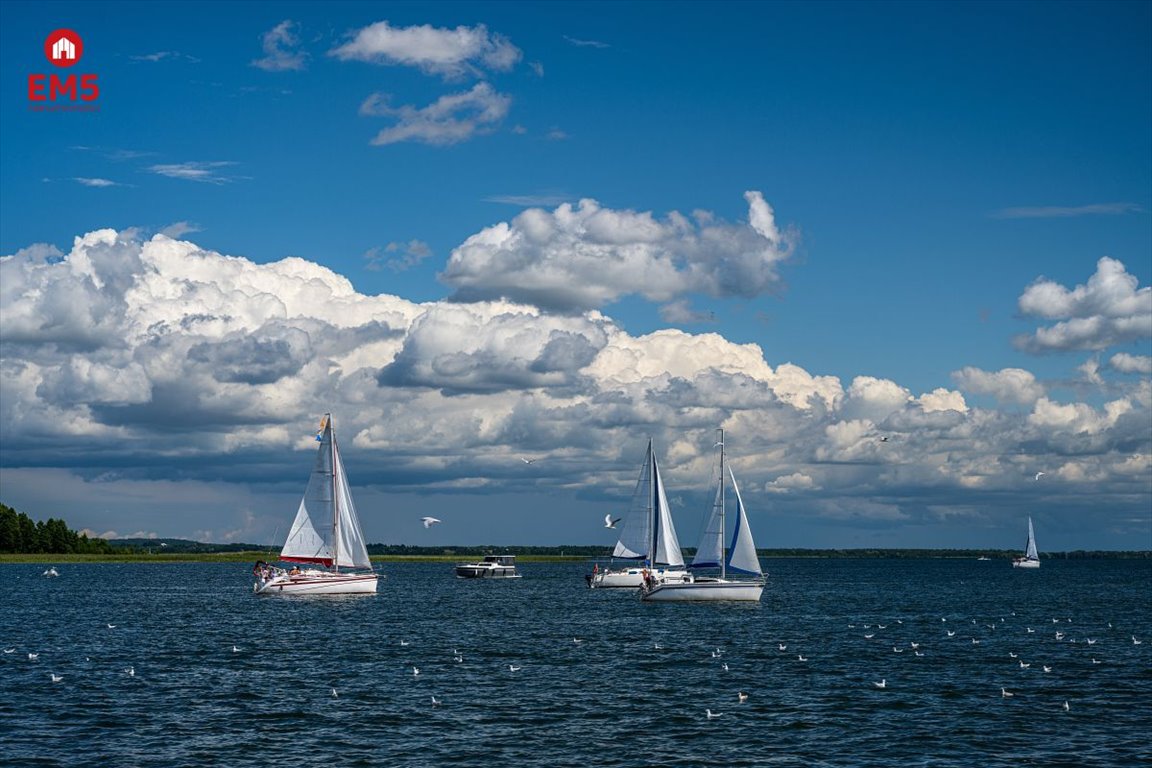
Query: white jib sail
[351,553]
[1030,549]
[742,555]
[667,546]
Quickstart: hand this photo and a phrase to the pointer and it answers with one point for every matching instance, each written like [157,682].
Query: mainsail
[648,532]
[326,529]
[741,555]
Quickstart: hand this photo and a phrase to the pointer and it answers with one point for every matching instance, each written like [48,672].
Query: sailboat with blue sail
[739,558]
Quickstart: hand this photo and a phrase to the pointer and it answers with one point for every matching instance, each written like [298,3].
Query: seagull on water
[111,626]
[1066,707]
[1047,668]
[1135,641]
[55,677]
[9,650]
[334,694]
[882,684]
[741,696]
[1012,655]
[1091,641]
[415,671]
[514,668]
[403,643]
[33,656]
[712,715]
[725,666]
[1024,666]
[801,658]
[131,671]
[435,701]
[1006,694]
[429,521]
[458,658]
[783,647]
[951,633]
[609,522]
[235,649]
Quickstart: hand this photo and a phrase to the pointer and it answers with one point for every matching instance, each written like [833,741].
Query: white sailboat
[325,535]
[740,556]
[1031,558]
[648,536]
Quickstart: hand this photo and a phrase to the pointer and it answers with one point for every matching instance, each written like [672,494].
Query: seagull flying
[1038,475]
[429,521]
[609,522]
[527,461]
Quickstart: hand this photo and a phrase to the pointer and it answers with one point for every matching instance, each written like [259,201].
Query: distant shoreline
[558,556]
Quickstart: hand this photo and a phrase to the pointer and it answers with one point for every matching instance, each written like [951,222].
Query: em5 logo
[63,48]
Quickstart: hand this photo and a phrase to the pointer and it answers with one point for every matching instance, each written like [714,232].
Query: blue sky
[481,231]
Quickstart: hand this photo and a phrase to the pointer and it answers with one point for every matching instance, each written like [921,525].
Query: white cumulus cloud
[435,50]
[584,257]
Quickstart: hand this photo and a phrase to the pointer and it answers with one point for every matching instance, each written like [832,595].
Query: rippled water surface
[224,678]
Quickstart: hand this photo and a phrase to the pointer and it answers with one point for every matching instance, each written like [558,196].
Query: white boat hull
[480,572]
[318,583]
[711,590]
[1025,563]
[630,578]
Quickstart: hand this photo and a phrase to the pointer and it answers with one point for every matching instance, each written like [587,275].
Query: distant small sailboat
[1030,559]
[335,545]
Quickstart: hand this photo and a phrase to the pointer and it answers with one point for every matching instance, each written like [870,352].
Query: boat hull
[705,591]
[630,578]
[319,584]
[483,572]
[1025,563]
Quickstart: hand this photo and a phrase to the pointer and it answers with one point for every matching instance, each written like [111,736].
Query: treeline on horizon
[19,534]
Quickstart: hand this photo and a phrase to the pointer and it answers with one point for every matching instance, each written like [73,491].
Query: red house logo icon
[63,47]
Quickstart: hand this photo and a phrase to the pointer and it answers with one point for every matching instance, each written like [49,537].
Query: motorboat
[491,567]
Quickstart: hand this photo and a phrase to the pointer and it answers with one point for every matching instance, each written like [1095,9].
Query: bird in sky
[1038,475]
[429,521]
[609,522]
[884,439]
[527,461]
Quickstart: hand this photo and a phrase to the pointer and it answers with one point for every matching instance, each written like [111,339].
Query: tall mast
[723,553]
[654,504]
[335,510]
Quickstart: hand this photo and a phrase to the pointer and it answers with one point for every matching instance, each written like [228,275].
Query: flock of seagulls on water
[998,631]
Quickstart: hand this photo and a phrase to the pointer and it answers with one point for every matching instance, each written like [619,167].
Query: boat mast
[335,506]
[723,557]
[653,505]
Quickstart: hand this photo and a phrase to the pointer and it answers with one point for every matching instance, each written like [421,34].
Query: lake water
[612,699]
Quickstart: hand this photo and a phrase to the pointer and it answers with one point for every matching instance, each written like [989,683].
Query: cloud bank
[145,361]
